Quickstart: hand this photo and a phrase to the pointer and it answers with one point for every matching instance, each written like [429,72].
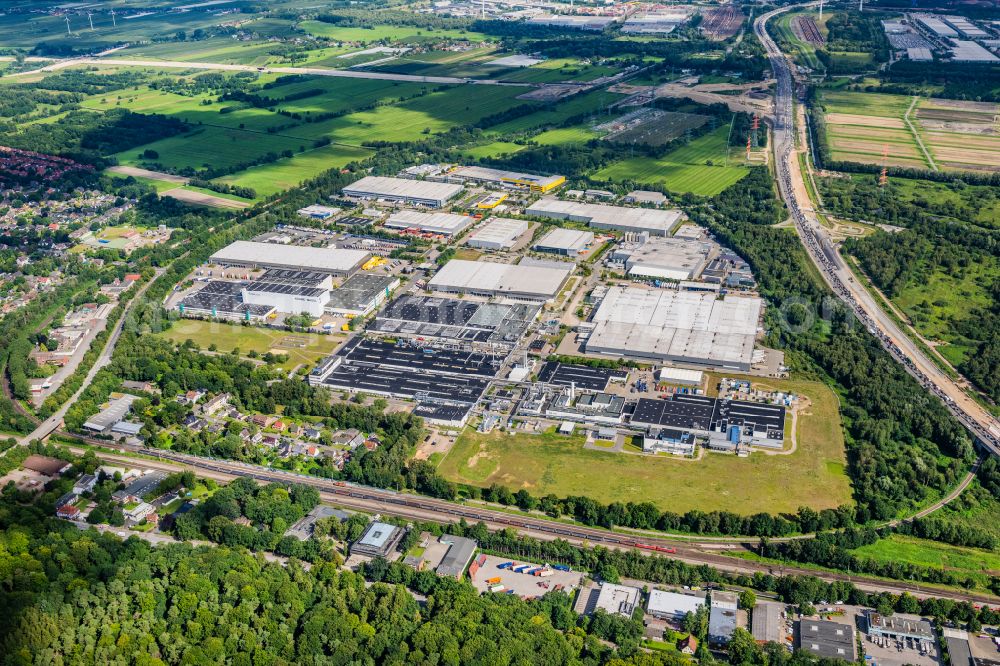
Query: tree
[748,599]
[743,649]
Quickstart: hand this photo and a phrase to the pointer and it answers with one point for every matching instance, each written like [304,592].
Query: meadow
[254,338]
[289,172]
[393,33]
[922,552]
[705,167]
[814,475]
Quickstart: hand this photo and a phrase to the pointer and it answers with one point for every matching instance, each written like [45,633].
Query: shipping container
[493,581]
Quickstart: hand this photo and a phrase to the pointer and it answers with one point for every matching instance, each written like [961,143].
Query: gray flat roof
[359,290]
[307,258]
[659,221]
[457,558]
[824,638]
[766,622]
[673,603]
[657,323]
[377,535]
[438,223]
[501,279]
[566,239]
[401,188]
[117,408]
[500,230]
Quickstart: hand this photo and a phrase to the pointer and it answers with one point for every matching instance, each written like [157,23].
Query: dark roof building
[823,638]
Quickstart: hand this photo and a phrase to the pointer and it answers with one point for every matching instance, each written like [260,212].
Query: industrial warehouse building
[361,294]
[754,423]
[500,233]
[663,258]
[416,192]
[567,242]
[678,326]
[295,292]
[827,639]
[599,216]
[672,606]
[247,254]
[510,179]
[518,283]
[444,224]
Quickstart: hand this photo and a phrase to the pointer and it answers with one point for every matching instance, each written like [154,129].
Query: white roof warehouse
[520,283]
[248,254]
[421,192]
[599,216]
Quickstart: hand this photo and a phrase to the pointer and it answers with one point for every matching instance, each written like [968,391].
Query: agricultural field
[393,33]
[301,348]
[288,172]
[814,475]
[706,166]
[663,128]
[922,552]
[564,136]
[872,128]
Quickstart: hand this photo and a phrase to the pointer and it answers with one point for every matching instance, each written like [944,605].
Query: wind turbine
[113,21]
[90,17]
[68,31]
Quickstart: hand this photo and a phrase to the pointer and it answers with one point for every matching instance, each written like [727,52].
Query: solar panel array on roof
[456,319]
[219,298]
[582,376]
[701,413]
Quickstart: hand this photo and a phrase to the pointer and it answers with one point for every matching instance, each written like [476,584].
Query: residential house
[68,498]
[311,433]
[68,512]
[294,428]
[85,484]
[279,426]
[270,441]
[688,645]
[262,420]
[213,405]
[136,511]
[191,397]
[352,438]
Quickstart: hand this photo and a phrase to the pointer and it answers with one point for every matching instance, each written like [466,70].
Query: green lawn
[254,338]
[699,167]
[911,550]
[549,463]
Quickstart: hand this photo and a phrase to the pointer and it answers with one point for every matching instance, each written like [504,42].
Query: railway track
[416,507]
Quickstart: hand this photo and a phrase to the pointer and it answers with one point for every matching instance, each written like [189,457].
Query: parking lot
[891,653]
[524,585]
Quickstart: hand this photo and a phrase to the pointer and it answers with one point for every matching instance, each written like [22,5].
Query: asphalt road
[820,248]
[49,425]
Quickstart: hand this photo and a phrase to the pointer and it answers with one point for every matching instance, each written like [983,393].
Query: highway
[416,507]
[820,248]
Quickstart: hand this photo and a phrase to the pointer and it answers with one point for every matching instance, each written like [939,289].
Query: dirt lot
[523,584]
[25,479]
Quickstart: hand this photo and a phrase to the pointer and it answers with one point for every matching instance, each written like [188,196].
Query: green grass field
[396,33]
[494,149]
[864,103]
[548,463]
[268,179]
[698,168]
[562,136]
[922,552]
[591,102]
[254,338]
